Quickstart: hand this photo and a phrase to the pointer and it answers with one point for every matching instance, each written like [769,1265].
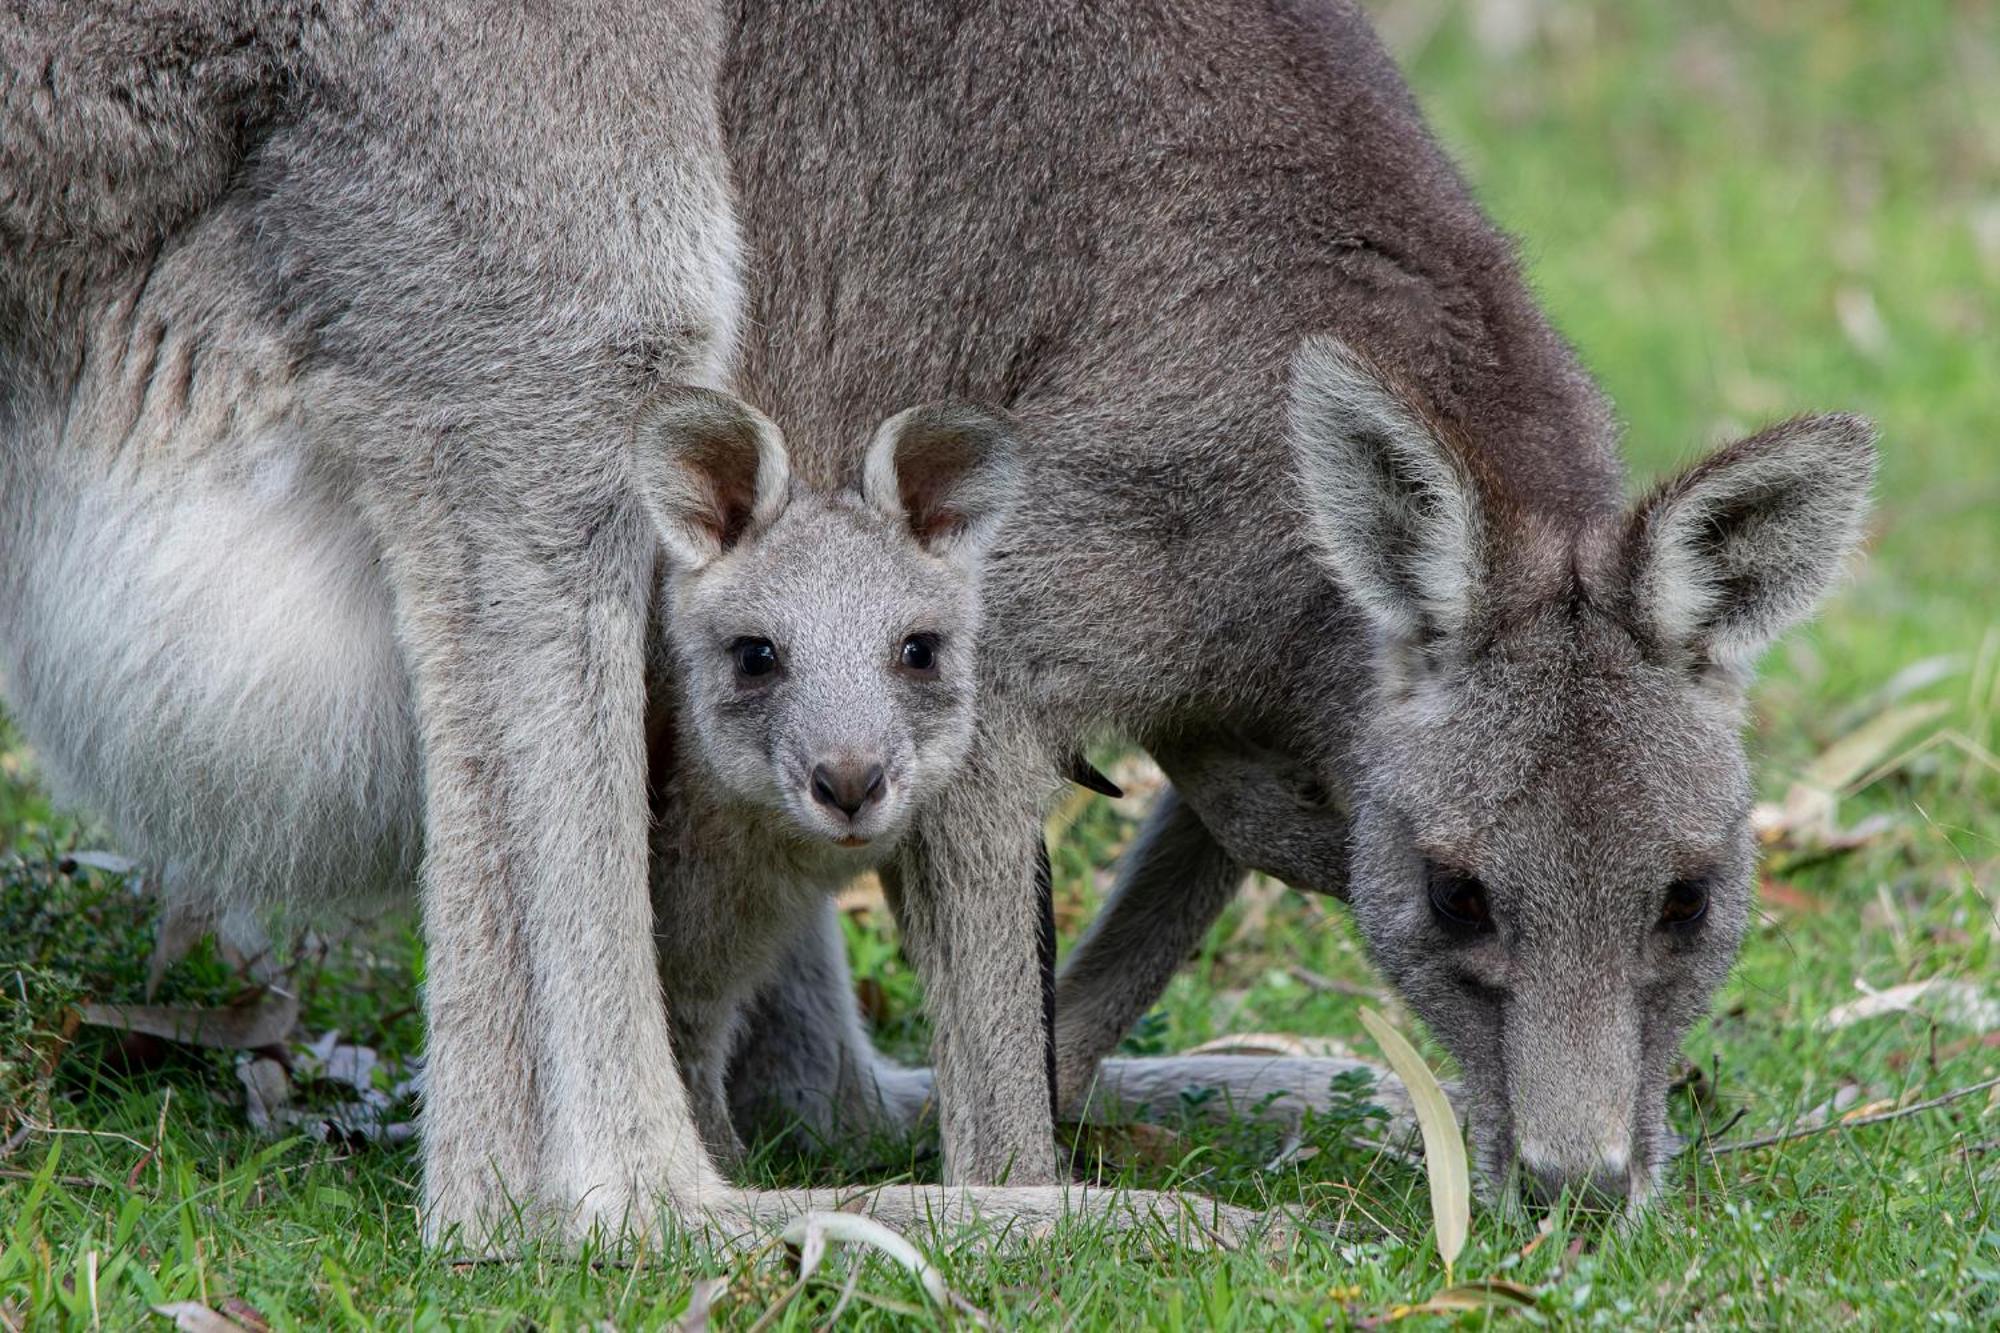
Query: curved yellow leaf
[1444,1142]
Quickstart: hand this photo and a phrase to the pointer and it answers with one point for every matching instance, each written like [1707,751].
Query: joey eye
[919,654]
[1458,901]
[754,657]
[1686,904]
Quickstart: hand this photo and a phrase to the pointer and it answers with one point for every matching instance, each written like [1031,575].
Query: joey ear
[1388,505]
[712,470]
[949,471]
[1734,551]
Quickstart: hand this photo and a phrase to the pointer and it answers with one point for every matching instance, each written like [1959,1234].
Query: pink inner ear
[730,515]
[729,475]
[926,484]
[935,524]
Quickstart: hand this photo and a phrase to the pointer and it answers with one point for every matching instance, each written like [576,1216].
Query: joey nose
[849,786]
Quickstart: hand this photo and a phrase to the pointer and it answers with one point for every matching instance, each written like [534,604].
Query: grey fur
[1397,561]
[325,333]
[326,329]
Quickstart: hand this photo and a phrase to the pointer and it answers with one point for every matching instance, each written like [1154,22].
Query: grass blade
[1444,1144]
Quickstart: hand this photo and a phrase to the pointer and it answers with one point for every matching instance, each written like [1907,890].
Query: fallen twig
[1878,1118]
[34,1128]
[152,1154]
[264,1021]
[1325,985]
[72,1182]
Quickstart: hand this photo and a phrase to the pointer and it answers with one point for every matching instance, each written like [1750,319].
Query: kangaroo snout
[848,785]
[1573,1083]
[1599,1174]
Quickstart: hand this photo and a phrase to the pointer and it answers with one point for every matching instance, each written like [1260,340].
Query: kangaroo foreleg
[965,894]
[1172,885]
[548,1076]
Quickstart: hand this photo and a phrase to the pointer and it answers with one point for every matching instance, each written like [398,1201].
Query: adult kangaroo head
[1551,856]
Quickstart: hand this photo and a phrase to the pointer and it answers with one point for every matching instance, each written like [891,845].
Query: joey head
[823,643]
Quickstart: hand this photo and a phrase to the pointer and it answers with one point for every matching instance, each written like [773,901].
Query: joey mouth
[815,829]
[816,822]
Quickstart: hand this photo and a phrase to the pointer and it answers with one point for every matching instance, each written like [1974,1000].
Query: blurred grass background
[1737,209]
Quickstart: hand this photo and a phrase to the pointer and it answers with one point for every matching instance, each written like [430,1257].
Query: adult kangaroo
[344,353]
[1319,510]
[324,330]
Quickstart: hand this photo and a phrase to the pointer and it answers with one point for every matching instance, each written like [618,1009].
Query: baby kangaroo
[819,685]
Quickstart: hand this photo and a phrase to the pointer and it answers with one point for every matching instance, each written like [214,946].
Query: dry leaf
[1120,1145]
[265,1021]
[267,1094]
[1490,1294]
[1846,1096]
[194,1317]
[810,1233]
[1444,1144]
[862,897]
[701,1302]
[327,1057]
[1954,1003]
[1861,320]
[1784,896]
[267,1091]
[244,1313]
[1808,808]
[1543,1230]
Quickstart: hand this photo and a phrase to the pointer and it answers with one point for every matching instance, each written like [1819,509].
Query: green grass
[1736,211]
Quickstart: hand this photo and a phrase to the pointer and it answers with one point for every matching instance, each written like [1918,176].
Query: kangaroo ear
[712,471]
[1734,551]
[1386,502]
[948,471]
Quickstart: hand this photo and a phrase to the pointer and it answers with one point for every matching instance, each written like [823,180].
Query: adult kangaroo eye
[1459,901]
[754,657]
[1686,904]
[920,654]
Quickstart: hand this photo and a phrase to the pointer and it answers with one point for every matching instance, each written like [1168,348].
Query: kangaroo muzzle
[1573,1095]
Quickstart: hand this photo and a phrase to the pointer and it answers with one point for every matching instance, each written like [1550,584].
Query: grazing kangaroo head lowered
[825,642]
[1551,852]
